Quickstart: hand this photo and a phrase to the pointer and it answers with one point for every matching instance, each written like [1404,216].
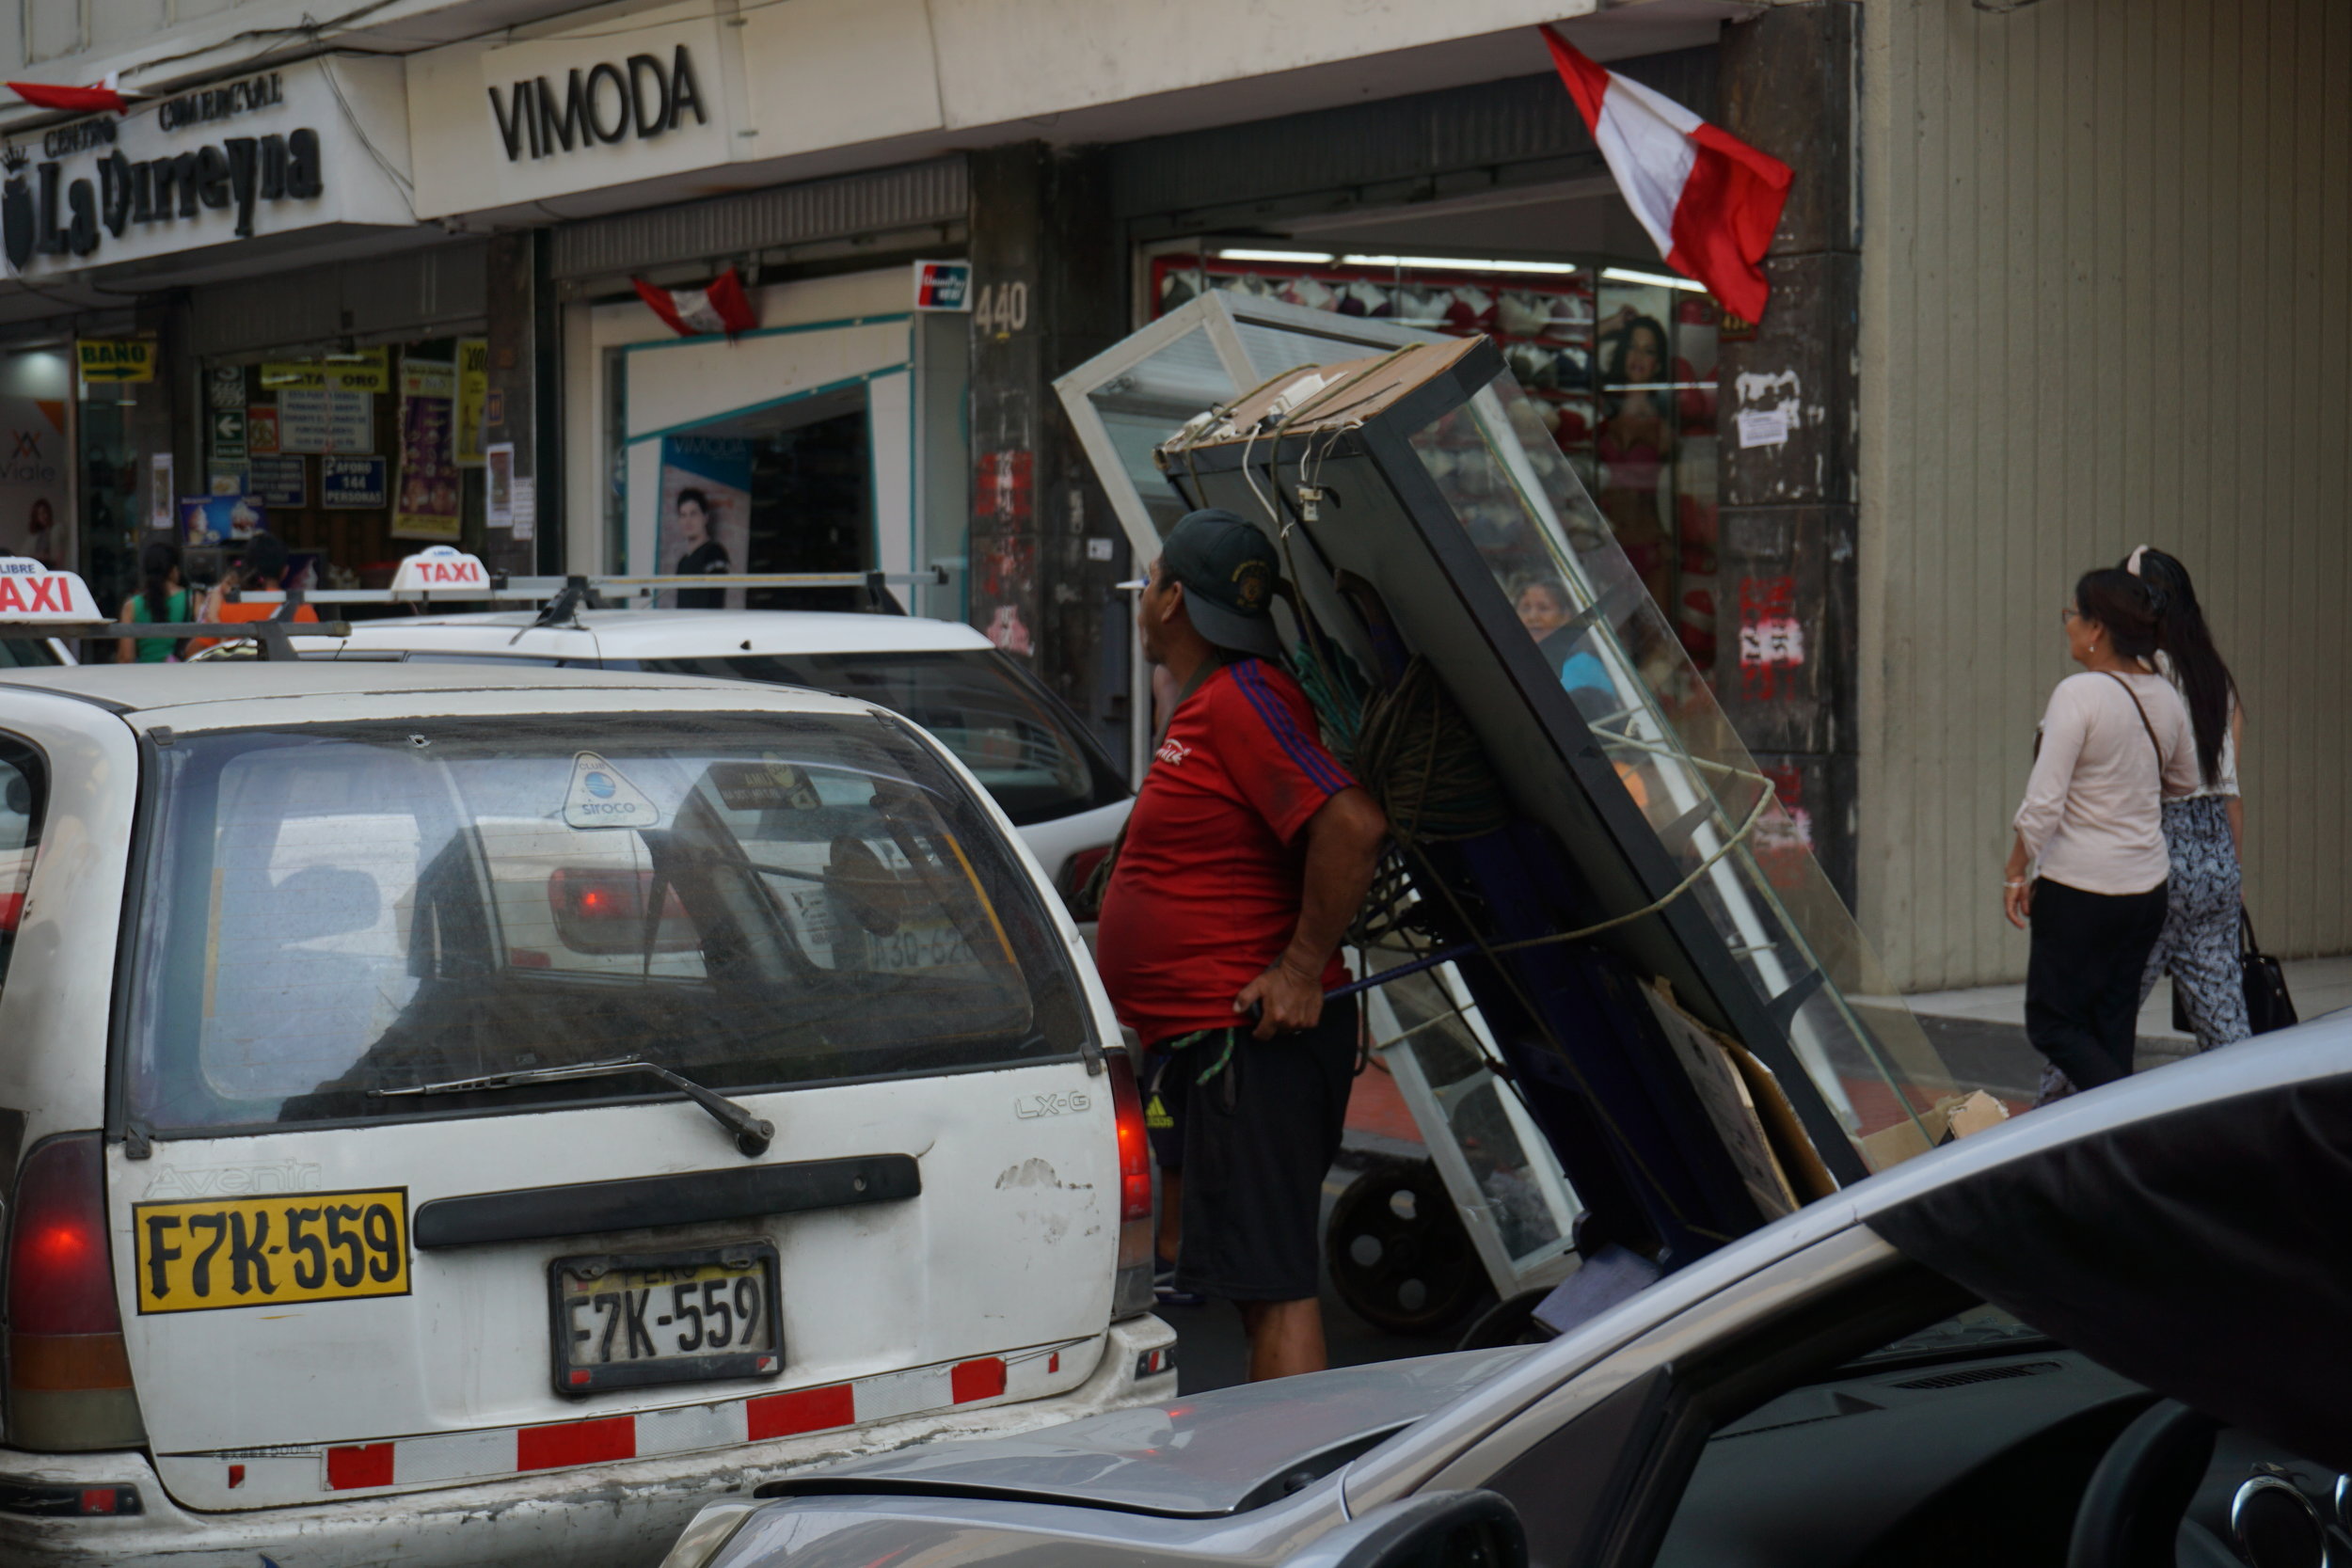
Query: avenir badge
[600,798]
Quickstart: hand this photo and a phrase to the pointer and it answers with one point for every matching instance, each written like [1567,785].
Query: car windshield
[1016,740]
[755,900]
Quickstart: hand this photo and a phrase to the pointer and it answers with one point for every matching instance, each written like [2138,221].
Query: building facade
[381,279]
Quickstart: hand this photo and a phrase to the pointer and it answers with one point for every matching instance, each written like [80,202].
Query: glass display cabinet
[1611,1006]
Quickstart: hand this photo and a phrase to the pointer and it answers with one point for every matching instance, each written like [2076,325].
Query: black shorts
[1256,1142]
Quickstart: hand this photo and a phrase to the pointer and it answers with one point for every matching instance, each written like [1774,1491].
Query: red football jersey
[1207,888]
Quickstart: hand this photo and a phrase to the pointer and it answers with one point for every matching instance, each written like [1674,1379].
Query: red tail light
[1134,1146]
[69,1373]
[1133,1291]
[11,909]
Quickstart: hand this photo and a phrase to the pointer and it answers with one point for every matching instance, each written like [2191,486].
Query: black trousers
[2082,982]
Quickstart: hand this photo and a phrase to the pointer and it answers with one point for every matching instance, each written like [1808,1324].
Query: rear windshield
[757,901]
[1018,741]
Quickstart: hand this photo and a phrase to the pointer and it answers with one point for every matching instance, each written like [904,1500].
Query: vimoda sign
[641,97]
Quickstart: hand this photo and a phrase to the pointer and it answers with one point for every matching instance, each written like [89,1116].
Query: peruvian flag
[719,306]
[1707,198]
[79,101]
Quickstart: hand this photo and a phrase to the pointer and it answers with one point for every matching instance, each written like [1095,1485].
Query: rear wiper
[751,1134]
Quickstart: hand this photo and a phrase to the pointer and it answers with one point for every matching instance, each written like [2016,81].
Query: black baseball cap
[1226,566]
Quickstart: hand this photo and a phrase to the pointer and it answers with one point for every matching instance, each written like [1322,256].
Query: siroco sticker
[601,798]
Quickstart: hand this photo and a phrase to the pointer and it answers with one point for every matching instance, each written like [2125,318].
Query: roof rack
[39,602]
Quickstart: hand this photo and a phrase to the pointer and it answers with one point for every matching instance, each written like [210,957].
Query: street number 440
[1001,308]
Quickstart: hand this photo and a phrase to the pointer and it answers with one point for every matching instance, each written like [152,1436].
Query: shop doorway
[786,489]
[789,450]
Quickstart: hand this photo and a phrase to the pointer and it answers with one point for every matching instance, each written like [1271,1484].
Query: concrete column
[511,410]
[1786,609]
[1048,286]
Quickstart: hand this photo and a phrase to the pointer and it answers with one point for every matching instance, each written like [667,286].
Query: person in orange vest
[262,570]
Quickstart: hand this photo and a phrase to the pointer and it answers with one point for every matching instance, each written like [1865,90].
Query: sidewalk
[1981,1031]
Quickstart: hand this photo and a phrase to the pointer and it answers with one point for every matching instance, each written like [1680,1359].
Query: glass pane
[1513,1172]
[1150,402]
[1550,547]
[756,901]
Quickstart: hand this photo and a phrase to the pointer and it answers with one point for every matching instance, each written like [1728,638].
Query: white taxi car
[1023,745]
[455,1115]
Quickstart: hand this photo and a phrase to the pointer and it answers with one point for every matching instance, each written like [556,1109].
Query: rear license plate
[625,1321]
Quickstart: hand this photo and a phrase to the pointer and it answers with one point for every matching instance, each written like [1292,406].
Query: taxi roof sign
[441,569]
[32,595]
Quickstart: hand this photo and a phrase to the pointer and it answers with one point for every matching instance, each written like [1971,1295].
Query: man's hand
[1287,1001]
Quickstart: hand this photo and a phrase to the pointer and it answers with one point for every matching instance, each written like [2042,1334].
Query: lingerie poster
[426,505]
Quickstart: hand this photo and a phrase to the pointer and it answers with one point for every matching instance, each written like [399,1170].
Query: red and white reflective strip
[604,1439]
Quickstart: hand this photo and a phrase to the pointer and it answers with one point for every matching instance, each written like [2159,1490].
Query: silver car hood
[1201,1457]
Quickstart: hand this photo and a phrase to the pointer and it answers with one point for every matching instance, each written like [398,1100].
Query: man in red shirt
[1249,852]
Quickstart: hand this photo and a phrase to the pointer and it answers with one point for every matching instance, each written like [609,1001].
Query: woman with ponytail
[2204,830]
[2087,865]
[164,599]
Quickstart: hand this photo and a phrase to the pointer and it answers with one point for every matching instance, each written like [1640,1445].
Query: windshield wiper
[751,1134]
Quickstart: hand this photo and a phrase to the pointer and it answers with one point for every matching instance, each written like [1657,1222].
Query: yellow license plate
[211,1252]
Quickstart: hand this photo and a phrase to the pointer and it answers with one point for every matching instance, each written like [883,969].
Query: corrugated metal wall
[916,194]
[407,294]
[2107,299]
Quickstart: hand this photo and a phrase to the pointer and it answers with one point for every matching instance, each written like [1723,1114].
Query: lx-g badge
[1052,1105]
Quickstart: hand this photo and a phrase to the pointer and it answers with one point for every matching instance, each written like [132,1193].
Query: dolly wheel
[1398,1254]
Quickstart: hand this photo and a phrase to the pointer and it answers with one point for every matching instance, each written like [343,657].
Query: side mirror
[1441,1529]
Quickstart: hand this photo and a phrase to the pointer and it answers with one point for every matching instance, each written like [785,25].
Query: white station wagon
[457,1114]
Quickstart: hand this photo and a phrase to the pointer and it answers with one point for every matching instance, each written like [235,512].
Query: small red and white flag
[1708,200]
[79,101]
[719,306]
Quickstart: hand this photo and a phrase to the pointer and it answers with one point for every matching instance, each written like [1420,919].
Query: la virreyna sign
[324,142]
[604,102]
[43,212]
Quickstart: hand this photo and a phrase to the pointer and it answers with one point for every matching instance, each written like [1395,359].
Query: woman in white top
[2204,830]
[2114,742]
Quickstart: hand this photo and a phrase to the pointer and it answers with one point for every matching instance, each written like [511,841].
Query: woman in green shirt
[164,598]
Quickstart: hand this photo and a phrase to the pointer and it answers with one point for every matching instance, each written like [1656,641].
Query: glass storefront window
[354,459]
[1617,367]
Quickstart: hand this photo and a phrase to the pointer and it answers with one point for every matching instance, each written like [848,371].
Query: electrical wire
[401,181]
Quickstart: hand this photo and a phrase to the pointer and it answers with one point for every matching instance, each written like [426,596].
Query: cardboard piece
[1730,1108]
[1953,1116]
[1800,1161]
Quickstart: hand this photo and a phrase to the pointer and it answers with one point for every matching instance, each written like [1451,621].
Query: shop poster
[280,481]
[161,492]
[498,474]
[473,397]
[316,420]
[426,506]
[34,519]
[705,521]
[218,519]
[350,483]
[368,370]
